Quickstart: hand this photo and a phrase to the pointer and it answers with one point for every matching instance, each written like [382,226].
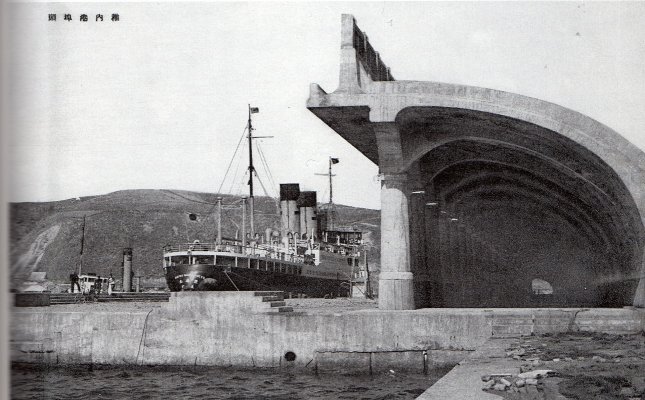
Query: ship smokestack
[289,219]
[308,218]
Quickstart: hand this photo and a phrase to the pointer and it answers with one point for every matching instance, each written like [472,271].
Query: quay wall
[238,329]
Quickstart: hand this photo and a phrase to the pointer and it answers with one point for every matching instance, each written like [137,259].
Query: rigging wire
[234,179]
[189,199]
[265,164]
[240,183]
[232,158]
[262,185]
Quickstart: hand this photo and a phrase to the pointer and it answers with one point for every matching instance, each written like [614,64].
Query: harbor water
[31,382]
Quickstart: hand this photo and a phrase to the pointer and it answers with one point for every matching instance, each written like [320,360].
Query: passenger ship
[306,257]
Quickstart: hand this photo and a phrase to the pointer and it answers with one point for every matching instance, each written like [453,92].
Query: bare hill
[47,236]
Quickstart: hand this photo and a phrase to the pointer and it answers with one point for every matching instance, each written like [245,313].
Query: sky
[158,100]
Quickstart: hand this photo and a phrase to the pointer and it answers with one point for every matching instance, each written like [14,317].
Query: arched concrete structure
[484,191]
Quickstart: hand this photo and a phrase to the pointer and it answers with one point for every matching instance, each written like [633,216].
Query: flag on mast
[334,160]
[254,110]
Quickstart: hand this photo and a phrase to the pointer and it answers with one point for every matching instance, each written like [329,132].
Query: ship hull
[221,278]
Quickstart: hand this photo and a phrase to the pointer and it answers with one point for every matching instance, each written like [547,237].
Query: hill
[48,236]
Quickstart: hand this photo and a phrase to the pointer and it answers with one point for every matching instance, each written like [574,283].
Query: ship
[308,256]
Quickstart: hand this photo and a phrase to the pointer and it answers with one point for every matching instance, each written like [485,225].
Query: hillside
[47,236]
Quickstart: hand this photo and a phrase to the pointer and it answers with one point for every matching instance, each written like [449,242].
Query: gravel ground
[585,366]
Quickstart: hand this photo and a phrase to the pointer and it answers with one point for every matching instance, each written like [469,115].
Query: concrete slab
[464,381]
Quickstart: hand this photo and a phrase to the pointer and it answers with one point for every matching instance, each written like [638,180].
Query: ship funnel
[308,218]
[289,218]
[127,269]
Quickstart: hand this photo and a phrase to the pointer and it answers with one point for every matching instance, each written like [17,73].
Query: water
[29,382]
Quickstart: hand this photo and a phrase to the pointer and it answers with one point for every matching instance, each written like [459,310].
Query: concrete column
[396,291]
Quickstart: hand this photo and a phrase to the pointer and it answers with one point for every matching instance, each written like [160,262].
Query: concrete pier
[240,329]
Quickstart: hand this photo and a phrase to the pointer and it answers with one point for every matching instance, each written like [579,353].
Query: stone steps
[270,294]
[272,302]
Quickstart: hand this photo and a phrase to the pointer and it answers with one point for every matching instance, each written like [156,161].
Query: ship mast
[330,212]
[251,171]
[330,206]
[252,110]
[80,265]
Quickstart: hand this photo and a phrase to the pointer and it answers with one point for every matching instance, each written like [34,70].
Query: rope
[143,333]
[229,278]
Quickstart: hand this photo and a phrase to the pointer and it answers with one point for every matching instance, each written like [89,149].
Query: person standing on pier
[97,285]
[73,278]
[110,283]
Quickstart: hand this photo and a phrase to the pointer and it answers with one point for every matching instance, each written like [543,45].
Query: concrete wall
[233,328]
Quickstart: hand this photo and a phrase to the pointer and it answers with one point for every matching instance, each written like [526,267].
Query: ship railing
[260,251]
[185,247]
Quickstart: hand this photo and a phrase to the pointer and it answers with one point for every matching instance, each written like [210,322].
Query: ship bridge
[490,198]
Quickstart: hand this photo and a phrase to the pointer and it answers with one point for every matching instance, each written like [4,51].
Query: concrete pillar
[396,291]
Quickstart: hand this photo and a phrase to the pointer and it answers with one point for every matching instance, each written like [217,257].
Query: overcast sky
[158,100]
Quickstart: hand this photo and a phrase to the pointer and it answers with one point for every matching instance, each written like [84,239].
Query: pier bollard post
[396,290]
